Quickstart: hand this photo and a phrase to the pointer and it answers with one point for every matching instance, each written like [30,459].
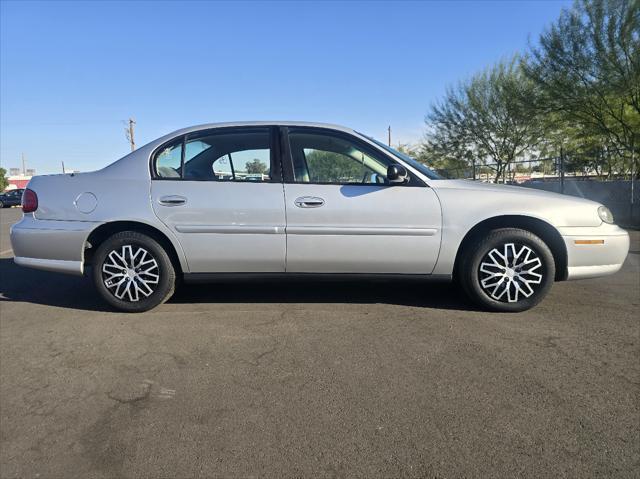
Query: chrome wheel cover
[130,273]
[510,272]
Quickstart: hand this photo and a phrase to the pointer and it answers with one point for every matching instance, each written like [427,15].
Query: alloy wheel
[510,272]
[130,273]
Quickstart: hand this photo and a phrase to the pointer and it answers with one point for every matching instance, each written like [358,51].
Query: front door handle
[309,202]
[172,200]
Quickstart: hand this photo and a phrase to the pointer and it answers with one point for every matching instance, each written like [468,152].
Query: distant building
[18,178]
[17,181]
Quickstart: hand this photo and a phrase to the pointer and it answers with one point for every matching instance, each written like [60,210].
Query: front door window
[325,158]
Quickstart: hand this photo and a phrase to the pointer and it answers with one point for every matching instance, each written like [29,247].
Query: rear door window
[168,161]
[235,155]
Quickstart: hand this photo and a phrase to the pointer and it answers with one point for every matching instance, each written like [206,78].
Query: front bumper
[587,257]
[50,245]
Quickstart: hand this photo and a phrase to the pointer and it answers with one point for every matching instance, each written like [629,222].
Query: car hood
[504,189]
[485,199]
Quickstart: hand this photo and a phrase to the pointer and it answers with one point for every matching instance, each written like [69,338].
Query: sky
[72,72]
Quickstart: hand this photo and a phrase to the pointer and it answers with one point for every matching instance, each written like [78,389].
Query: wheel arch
[105,230]
[545,231]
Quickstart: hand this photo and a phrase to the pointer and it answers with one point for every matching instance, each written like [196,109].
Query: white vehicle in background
[331,202]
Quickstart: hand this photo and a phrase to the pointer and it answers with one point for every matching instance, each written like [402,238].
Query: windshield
[425,170]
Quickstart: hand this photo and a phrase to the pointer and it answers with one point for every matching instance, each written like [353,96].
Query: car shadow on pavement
[406,293]
[51,289]
[76,292]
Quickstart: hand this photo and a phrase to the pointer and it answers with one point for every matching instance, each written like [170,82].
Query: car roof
[130,159]
[207,126]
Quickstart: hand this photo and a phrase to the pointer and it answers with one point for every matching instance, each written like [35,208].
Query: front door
[219,192]
[343,216]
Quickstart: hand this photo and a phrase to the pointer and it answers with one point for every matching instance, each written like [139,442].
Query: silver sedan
[263,199]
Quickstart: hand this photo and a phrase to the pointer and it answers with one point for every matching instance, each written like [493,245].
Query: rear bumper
[57,265]
[586,259]
[50,245]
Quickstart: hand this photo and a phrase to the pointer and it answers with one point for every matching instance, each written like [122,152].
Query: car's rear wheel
[508,270]
[132,272]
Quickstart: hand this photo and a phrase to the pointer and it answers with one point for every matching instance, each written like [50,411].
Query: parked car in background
[11,198]
[331,202]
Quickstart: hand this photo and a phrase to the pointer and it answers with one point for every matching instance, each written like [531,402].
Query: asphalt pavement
[289,379]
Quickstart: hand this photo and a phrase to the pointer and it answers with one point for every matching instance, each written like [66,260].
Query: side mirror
[397,174]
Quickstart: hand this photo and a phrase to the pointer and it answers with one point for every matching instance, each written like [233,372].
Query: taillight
[29,201]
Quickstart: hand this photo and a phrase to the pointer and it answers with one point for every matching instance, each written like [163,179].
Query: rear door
[343,216]
[220,191]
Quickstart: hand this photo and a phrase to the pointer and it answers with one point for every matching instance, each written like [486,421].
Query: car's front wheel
[132,272]
[508,270]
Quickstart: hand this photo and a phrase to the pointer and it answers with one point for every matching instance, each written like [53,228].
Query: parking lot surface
[319,379]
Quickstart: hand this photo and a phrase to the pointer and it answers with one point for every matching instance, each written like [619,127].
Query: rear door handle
[172,200]
[308,202]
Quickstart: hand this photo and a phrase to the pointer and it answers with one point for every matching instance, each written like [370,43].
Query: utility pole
[389,131]
[130,133]
[63,172]
[24,167]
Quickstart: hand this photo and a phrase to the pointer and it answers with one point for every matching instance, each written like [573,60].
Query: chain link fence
[614,186]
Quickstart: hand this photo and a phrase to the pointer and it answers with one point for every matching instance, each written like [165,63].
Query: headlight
[605,214]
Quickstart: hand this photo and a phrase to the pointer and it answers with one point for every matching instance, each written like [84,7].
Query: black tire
[1,204]
[135,299]
[480,274]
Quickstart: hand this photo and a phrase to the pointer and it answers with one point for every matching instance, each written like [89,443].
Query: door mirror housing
[397,174]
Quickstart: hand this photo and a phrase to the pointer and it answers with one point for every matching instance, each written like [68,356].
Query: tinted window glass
[325,158]
[168,161]
[231,156]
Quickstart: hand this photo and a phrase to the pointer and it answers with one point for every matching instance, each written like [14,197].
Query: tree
[256,167]
[445,155]
[3,181]
[587,67]
[487,119]
[408,149]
